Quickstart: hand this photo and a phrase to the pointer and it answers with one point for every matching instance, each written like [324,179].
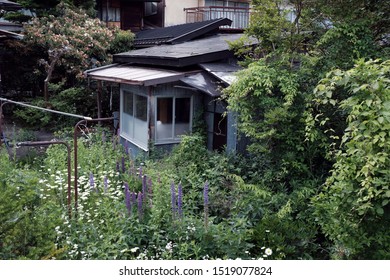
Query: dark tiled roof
[9,5]
[10,26]
[193,52]
[178,33]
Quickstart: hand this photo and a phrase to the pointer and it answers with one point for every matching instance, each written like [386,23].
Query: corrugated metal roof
[223,71]
[178,33]
[188,53]
[205,83]
[134,75]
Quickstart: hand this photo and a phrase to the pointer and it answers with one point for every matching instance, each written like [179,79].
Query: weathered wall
[174,10]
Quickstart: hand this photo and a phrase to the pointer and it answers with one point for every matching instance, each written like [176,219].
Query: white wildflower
[268,251]
[169,246]
[133,250]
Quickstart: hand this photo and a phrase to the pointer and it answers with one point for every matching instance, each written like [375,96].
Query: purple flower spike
[127,198]
[173,199]
[140,172]
[180,200]
[206,194]
[140,213]
[91,181]
[144,186]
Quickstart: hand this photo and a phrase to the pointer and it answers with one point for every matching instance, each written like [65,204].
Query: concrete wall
[174,10]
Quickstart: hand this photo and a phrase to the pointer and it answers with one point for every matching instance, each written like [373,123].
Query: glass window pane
[150,8]
[128,103]
[164,110]
[141,107]
[182,116]
[118,14]
[127,115]
[134,125]
[164,118]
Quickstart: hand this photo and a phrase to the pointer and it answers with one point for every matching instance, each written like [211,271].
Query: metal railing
[239,16]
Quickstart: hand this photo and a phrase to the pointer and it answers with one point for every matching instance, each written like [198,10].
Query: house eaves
[205,83]
[224,72]
[134,75]
[215,77]
[203,50]
[4,34]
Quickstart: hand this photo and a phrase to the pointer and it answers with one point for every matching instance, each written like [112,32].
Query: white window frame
[131,137]
[172,139]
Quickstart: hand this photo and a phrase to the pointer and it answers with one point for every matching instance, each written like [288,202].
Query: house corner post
[99,100]
[150,116]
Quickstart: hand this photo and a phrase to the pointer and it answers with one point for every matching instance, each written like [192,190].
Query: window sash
[134,119]
[170,126]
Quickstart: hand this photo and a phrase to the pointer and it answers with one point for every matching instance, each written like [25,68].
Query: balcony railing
[239,16]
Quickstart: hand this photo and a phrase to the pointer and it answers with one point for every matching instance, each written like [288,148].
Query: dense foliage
[353,208]
[127,209]
[315,106]
[52,57]
[314,100]
[43,8]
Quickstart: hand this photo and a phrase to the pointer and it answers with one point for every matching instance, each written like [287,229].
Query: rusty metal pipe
[76,191]
[48,143]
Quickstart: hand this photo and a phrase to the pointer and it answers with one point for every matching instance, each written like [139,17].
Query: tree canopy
[55,51]
[42,8]
[314,100]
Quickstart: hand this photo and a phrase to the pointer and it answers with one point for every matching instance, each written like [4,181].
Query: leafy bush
[27,221]
[353,206]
